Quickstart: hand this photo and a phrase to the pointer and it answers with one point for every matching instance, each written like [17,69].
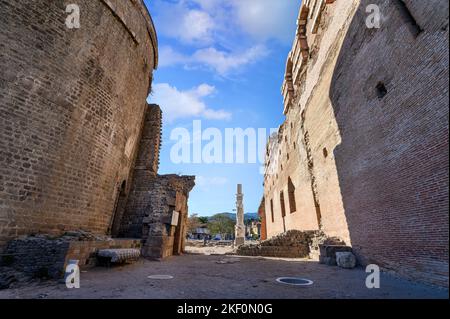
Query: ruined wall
[390,97]
[43,256]
[146,210]
[149,211]
[367,119]
[71,107]
[300,166]
[145,166]
[263,219]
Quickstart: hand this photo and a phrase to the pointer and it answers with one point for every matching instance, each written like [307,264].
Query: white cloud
[223,62]
[184,104]
[267,19]
[168,57]
[219,61]
[206,182]
[262,19]
[216,115]
[188,25]
[240,26]
[196,26]
[206,21]
[210,5]
[204,90]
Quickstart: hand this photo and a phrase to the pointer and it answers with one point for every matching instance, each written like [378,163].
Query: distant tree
[203,220]
[193,223]
[222,225]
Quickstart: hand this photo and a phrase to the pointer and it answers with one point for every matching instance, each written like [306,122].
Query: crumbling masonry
[363,152]
[79,146]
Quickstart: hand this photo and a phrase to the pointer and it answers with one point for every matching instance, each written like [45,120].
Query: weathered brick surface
[365,141]
[291,244]
[71,108]
[393,158]
[148,213]
[146,163]
[263,217]
[152,198]
[274,251]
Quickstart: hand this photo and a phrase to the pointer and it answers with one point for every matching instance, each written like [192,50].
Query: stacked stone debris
[291,244]
[322,240]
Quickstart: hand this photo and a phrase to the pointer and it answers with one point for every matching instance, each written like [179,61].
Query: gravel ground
[215,250]
[224,277]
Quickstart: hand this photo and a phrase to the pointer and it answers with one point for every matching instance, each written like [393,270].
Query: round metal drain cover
[295,281]
[160,277]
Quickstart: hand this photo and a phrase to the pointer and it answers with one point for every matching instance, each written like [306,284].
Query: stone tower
[72,105]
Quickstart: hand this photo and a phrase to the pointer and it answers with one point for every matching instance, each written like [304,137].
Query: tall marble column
[240,227]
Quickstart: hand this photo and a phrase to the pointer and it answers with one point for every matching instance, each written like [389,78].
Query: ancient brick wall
[71,107]
[146,163]
[151,200]
[150,141]
[391,106]
[300,168]
[148,214]
[44,256]
[263,219]
[367,121]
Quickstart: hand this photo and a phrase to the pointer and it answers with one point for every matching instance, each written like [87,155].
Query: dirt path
[224,277]
[215,250]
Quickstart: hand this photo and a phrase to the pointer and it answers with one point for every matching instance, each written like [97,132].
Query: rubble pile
[291,244]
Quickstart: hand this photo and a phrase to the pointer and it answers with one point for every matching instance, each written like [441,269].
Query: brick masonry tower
[72,103]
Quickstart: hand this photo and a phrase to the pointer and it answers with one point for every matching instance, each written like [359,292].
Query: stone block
[328,253]
[346,260]
[120,255]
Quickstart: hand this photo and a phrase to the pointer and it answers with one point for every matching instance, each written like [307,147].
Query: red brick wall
[366,132]
[71,107]
[393,160]
[262,215]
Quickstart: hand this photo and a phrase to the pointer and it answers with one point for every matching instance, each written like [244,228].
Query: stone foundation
[275,251]
[292,244]
[328,253]
[46,257]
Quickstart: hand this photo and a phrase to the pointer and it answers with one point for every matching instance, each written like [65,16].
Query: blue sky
[221,62]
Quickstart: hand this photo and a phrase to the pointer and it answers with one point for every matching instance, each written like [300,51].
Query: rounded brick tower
[72,104]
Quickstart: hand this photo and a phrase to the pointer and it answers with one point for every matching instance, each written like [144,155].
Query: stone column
[239,228]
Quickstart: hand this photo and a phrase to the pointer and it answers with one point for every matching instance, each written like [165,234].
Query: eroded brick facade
[156,207]
[263,218]
[363,152]
[71,107]
[79,146]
